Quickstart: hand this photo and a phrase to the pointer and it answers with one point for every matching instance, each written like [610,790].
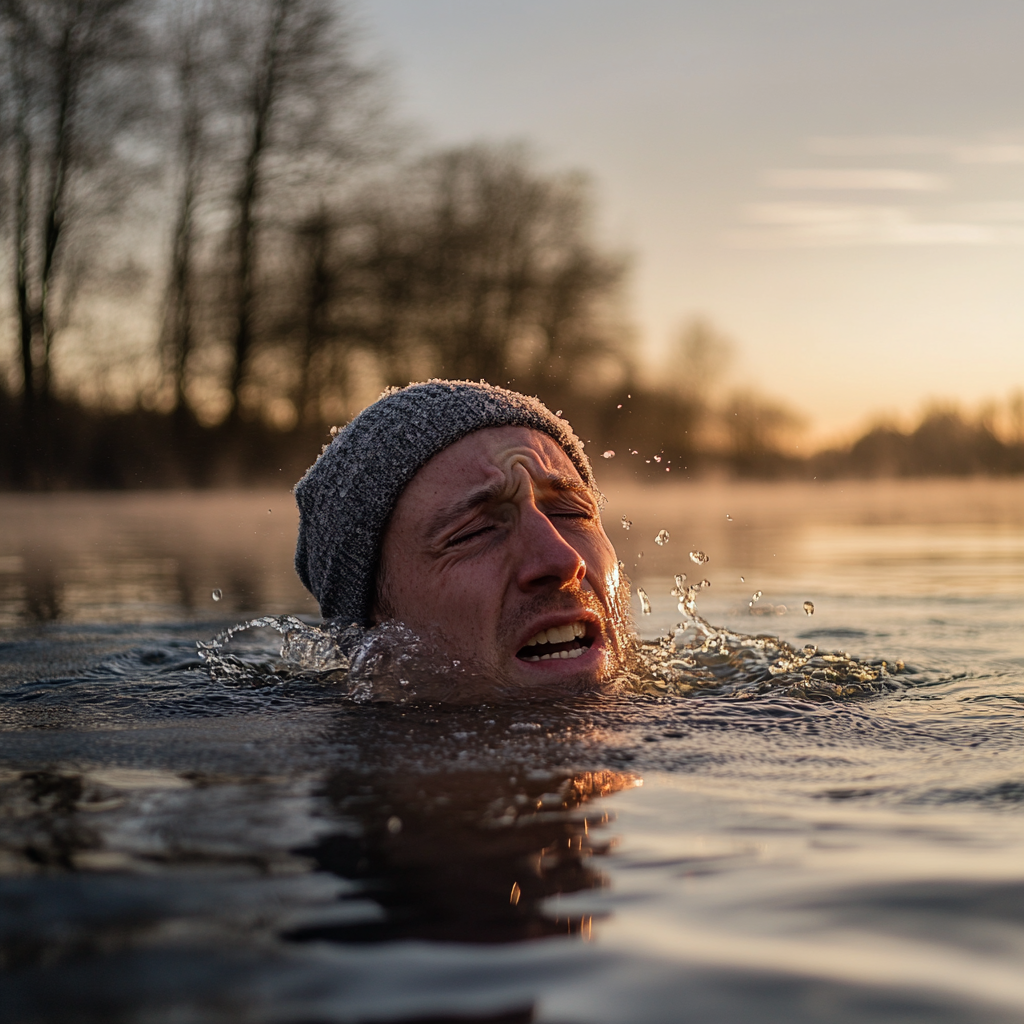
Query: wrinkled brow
[492,494]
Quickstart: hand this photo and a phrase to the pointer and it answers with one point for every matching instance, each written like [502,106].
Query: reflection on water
[176,847]
[464,858]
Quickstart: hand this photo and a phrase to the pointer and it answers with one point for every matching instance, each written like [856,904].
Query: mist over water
[258,846]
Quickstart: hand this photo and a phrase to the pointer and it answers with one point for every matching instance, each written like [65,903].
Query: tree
[481,267]
[757,428]
[302,112]
[195,51]
[67,61]
[466,263]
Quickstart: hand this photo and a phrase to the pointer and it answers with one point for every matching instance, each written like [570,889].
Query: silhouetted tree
[65,64]
[68,103]
[195,50]
[471,264]
[302,110]
[756,428]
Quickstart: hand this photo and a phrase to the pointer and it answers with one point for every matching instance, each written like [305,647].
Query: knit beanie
[347,496]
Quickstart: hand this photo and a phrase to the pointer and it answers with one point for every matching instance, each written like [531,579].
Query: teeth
[558,655]
[558,634]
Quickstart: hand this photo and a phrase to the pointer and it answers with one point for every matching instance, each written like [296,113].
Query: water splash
[756,596]
[662,539]
[389,664]
[699,659]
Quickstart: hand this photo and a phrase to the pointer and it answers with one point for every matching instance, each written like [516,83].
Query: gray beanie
[346,498]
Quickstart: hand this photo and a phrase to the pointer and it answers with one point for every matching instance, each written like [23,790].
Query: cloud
[993,151]
[1009,212]
[854,179]
[878,145]
[807,224]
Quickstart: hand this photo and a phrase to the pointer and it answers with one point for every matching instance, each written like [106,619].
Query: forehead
[477,460]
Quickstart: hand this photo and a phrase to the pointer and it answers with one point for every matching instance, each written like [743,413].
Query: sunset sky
[838,186]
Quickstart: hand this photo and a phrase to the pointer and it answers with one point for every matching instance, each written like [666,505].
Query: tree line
[216,243]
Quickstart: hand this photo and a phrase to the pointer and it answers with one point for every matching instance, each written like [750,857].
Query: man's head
[470,514]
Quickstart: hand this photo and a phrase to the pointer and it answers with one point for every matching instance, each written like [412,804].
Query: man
[470,514]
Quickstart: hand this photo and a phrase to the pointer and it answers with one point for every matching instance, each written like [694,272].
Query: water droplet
[394,825]
[270,511]
[680,586]
[648,461]
[743,579]
[515,894]
[645,601]
[626,523]
[662,539]
[808,607]
[641,555]
[633,452]
[217,594]
[756,596]
[608,454]
[699,558]
[334,431]
[558,412]
[618,406]
[657,458]
[704,584]
[728,518]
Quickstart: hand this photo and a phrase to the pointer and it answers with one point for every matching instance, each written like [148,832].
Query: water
[180,848]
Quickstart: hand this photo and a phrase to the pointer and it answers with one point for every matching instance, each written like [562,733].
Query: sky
[837,185]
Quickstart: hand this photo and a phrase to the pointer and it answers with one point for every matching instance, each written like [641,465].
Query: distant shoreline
[74,448]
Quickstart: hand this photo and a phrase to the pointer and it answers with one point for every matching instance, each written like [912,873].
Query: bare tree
[194,53]
[303,108]
[62,55]
[757,427]
[488,266]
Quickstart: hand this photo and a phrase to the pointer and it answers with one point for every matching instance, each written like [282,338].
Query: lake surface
[175,848]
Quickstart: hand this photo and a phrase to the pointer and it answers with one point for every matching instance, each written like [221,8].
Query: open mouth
[558,642]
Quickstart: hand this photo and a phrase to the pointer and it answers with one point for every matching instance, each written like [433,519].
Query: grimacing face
[496,553]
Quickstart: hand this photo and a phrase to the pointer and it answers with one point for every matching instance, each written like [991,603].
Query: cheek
[602,562]
[464,601]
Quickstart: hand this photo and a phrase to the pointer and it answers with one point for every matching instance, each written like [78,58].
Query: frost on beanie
[346,498]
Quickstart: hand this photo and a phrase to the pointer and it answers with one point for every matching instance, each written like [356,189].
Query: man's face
[496,553]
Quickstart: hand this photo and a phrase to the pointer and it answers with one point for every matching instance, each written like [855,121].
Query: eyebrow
[493,492]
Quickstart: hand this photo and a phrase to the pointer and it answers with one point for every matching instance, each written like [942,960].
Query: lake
[176,848]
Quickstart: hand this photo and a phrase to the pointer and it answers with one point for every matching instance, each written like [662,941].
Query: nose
[547,561]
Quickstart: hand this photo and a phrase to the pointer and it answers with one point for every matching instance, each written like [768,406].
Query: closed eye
[463,537]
